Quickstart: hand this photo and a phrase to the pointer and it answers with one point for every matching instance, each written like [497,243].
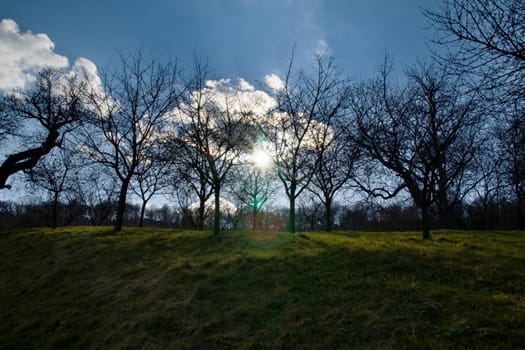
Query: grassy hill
[155,289]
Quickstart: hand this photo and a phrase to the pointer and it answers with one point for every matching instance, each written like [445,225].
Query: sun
[261,159]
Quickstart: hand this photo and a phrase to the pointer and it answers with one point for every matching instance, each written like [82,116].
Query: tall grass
[77,288]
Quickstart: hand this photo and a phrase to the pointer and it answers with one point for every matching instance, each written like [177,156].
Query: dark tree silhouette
[338,160]
[191,187]
[296,127]
[425,132]
[54,174]
[253,187]
[484,38]
[335,150]
[486,42]
[130,116]
[211,134]
[38,118]
[98,191]
[153,177]
[488,194]
[511,133]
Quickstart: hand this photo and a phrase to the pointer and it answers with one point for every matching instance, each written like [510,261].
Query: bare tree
[489,190]
[151,180]
[425,132]
[37,120]
[55,175]
[511,134]
[253,186]
[98,192]
[484,38]
[311,212]
[337,165]
[192,189]
[130,114]
[485,41]
[211,134]
[335,150]
[296,126]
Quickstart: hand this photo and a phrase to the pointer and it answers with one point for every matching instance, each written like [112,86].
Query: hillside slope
[77,288]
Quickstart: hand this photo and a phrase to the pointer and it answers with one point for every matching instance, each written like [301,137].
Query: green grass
[86,288]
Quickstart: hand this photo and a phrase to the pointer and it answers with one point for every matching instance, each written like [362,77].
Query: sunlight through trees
[439,143]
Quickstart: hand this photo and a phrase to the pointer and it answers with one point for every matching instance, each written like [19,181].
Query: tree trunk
[291,215]
[217,211]
[328,214]
[26,160]
[54,211]
[200,217]
[519,208]
[425,221]
[121,207]
[254,219]
[142,211]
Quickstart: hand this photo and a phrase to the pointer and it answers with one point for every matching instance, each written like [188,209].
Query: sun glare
[261,159]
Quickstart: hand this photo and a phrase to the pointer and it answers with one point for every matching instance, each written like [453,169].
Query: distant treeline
[363,216]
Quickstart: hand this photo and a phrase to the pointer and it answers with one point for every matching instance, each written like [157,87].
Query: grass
[85,288]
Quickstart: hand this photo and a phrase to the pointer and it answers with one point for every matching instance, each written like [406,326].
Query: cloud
[87,71]
[245,86]
[239,98]
[23,53]
[274,82]
[289,128]
[217,84]
[322,48]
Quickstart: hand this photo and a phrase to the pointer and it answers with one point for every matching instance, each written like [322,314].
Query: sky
[248,41]
[238,38]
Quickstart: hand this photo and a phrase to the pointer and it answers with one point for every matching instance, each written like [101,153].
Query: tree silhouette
[39,118]
[424,132]
[296,126]
[210,134]
[129,115]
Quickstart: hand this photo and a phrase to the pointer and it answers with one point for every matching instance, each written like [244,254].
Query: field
[87,288]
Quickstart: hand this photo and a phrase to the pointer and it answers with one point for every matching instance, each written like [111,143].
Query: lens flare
[261,159]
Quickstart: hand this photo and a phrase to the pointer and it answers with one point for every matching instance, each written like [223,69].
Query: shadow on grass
[165,289]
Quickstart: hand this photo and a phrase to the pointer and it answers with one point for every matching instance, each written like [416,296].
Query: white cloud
[239,98]
[274,82]
[250,99]
[217,84]
[22,53]
[83,66]
[245,86]
[288,126]
[322,48]
[86,70]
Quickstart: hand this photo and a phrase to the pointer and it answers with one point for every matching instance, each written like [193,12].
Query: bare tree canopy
[296,126]
[55,175]
[425,132]
[98,191]
[153,177]
[336,153]
[130,118]
[211,134]
[38,119]
[485,38]
[253,186]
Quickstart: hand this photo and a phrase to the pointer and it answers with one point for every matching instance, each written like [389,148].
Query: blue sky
[247,39]
[238,38]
